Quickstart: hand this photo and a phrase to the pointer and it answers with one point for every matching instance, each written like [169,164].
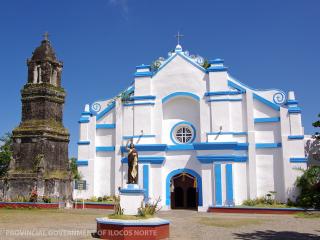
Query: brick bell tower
[40,142]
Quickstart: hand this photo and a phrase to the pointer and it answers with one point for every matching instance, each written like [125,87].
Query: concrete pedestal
[131,198]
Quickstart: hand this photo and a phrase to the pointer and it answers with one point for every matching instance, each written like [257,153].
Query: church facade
[203,137]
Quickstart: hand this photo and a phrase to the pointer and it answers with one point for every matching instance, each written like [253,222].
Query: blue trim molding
[291,102]
[219,93]
[294,137]
[106,110]
[138,136]
[236,86]
[267,120]
[266,102]
[221,158]
[229,185]
[147,147]
[227,133]
[147,159]
[298,160]
[143,74]
[225,100]
[180,94]
[184,170]
[146,181]
[217,69]
[83,142]
[106,126]
[82,162]
[218,184]
[180,147]
[183,123]
[142,98]
[220,146]
[143,66]
[129,190]
[84,120]
[268,145]
[294,110]
[105,149]
[138,104]
[86,114]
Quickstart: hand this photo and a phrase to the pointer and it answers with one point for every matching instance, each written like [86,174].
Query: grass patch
[308,215]
[128,217]
[229,222]
[262,205]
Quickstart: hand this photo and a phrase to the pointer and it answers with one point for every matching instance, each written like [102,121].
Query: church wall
[240,182]
[105,137]
[238,116]
[263,111]
[267,133]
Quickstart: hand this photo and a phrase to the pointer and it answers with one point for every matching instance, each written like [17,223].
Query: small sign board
[80,185]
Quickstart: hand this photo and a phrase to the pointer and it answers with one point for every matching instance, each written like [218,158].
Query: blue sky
[265,44]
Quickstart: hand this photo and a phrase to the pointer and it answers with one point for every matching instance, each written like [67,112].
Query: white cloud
[123,4]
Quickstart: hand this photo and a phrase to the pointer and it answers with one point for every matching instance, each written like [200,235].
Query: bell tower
[40,142]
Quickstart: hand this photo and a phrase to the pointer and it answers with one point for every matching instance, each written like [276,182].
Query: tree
[74,169]
[5,153]
[317,125]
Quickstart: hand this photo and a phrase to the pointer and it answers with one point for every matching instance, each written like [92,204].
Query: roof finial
[178,36]
[46,36]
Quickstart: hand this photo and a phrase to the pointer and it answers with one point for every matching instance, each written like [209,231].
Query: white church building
[203,137]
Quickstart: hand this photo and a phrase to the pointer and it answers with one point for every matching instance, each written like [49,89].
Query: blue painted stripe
[219,93]
[138,136]
[106,126]
[86,114]
[183,94]
[216,61]
[138,104]
[180,147]
[105,149]
[128,190]
[143,74]
[291,102]
[221,158]
[106,110]
[225,100]
[220,145]
[217,69]
[147,159]
[142,98]
[147,147]
[268,145]
[267,120]
[84,120]
[218,184]
[146,180]
[294,110]
[83,142]
[296,137]
[266,102]
[142,66]
[227,133]
[229,184]
[82,162]
[236,86]
[298,160]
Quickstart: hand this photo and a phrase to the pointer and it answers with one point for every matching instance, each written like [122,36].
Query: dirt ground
[80,224]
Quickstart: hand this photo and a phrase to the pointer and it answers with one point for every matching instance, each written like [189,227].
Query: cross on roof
[46,36]
[178,36]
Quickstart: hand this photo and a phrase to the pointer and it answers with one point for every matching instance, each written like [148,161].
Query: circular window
[183,133]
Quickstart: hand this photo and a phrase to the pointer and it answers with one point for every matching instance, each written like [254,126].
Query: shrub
[309,186]
[46,199]
[149,209]
[33,196]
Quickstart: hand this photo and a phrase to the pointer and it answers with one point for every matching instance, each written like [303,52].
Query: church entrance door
[184,192]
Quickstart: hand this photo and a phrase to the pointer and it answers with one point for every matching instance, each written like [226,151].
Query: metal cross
[46,36]
[178,36]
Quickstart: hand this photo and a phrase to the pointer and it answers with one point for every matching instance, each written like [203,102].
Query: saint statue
[132,164]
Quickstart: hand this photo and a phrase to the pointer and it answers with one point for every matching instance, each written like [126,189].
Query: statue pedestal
[131,197]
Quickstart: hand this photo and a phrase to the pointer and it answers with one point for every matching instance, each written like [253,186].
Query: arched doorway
[184,191]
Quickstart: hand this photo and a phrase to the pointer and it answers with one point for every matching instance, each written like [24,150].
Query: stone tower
[40,142]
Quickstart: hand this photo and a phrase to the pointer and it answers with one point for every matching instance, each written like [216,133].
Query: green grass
[229,222]
[128,217]
[311,215]
[261,205]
